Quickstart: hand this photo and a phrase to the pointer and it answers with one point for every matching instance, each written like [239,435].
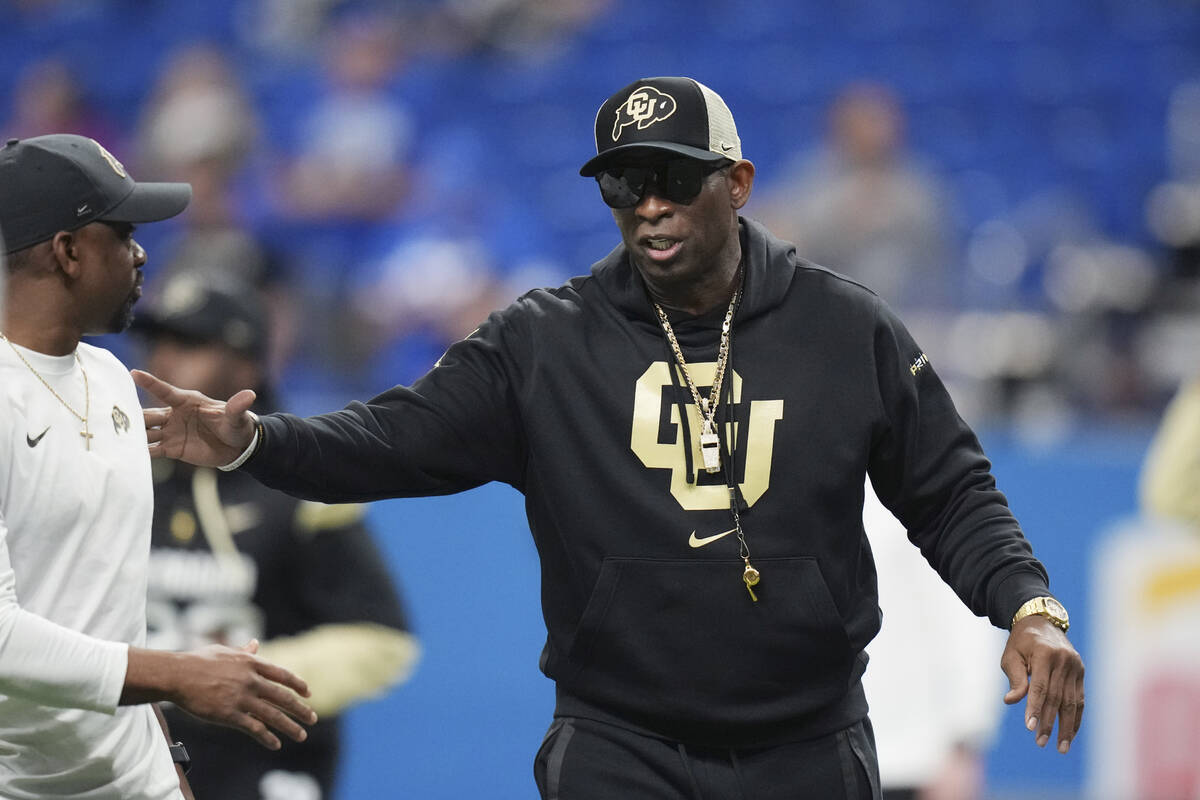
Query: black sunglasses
[678,180]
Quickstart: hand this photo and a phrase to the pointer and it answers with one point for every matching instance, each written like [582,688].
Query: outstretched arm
[1042,665]
[929,469]
[193,427]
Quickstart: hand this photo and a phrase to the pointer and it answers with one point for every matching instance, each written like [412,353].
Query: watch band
[179,755]
[251,448]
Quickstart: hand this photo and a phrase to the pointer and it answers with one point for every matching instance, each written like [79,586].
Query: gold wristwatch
[1046,607]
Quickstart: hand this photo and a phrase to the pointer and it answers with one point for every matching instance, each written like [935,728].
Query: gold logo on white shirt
[120,421]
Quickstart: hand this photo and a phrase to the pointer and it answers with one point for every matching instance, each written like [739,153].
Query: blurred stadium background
[388,172]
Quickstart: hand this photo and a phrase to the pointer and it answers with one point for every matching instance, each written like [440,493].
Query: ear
[741,182]
[65,247]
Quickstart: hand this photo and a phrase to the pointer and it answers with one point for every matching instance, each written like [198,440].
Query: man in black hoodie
[691,425]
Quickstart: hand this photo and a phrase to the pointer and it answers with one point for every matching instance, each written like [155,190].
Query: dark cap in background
[677,116]
[62,182]
[207,313]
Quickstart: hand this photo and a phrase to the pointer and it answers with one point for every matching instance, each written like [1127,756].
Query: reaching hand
[224,685]
[193,427]
[1041,663]
[236,688]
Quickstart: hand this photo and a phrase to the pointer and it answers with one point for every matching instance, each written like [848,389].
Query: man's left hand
[1040,662]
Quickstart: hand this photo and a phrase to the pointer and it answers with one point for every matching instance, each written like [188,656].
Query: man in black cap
[231,560]
[692,425]
[76,682]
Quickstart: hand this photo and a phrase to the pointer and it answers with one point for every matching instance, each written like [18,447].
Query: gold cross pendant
[87,438]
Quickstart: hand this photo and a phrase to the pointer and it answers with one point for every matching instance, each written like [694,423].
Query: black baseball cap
[678,116]
[61,182]
[201,311]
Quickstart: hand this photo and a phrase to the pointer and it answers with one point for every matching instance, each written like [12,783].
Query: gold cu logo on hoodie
[757,442]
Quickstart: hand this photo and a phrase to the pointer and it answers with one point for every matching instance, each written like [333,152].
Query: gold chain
[708,407]
[709,439]
[87,396]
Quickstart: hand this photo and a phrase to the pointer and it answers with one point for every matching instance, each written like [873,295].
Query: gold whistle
[751,578]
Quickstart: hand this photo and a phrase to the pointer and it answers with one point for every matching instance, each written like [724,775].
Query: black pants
[581,759]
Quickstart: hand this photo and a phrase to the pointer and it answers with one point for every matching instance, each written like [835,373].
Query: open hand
[193,427]
[225,685]
[234,687]
[1042,664]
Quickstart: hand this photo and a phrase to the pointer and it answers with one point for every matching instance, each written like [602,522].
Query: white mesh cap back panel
[722,133]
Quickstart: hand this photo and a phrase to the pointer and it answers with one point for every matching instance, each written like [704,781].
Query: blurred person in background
[932,726]
[344,179]
[48,98]
[1170,479]
[232,559]
[862,206]
[201,127]
[199,124]
[450,260]
[726,662]
[515,28]
[352,162]
[78,686]
[1169,486]
[1173,207]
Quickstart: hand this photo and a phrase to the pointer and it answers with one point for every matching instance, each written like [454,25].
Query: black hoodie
[568,395]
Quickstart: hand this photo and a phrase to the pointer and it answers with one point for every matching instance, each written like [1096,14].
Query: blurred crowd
[1022,180]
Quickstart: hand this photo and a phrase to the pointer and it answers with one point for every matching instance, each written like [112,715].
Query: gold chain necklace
[87,396]
[710,441]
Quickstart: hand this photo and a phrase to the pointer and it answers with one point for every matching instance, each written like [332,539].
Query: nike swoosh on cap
[34,442]
[700,542]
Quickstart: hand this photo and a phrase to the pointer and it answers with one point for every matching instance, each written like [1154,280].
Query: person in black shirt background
[232,560]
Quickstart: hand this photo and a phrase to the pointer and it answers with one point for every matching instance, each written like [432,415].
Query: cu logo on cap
[644,107]
[117,167]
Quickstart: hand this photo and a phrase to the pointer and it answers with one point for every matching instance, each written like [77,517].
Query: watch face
[1056,608]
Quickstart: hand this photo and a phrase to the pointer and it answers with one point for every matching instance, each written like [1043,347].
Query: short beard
[123,318]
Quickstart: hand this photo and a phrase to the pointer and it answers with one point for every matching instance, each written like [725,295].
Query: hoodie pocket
[683,640]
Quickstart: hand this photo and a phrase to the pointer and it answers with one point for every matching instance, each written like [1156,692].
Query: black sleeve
[928,467]
[457,427]
[342,576]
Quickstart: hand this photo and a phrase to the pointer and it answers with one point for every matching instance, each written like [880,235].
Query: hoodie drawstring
[737,774]
[686,432]
[687,767]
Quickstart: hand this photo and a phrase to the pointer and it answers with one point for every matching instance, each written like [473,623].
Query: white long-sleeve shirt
[74,546]
[934,679]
